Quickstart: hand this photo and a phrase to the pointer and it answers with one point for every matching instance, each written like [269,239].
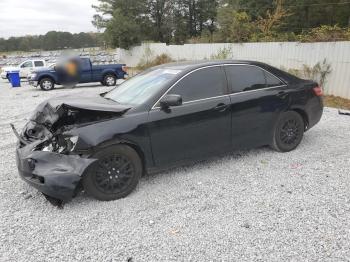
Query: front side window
[201,84]
[245,78]
[140,88]
[27,64]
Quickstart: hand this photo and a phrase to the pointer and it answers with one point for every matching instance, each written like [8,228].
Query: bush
[319,72]
[158,60]
[222,54]
[326,33]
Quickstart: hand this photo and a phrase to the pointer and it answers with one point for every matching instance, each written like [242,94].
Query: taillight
[125,69]
[318,91]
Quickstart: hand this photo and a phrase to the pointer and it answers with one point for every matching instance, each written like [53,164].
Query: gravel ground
[255,205]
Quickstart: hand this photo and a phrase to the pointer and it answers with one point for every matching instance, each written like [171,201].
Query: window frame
[27,62]
[228,88]
[269,73]
[39,61]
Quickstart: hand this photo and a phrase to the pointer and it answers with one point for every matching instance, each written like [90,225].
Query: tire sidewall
[88,178]
[277,143]
[105,80]
[42,82]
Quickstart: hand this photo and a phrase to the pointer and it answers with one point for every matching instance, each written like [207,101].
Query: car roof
[187,66]
[201,63]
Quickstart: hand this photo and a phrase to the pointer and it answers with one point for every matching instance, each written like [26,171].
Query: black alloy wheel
[115,174]
[289,132]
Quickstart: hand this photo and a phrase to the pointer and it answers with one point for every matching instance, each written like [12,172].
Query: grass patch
[337,102]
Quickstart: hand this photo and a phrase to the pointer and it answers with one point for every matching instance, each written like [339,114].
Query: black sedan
[166,116]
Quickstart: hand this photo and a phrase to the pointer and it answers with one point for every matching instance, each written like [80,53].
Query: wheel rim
[114,174]
[110,80]
[290,132]
[47,84]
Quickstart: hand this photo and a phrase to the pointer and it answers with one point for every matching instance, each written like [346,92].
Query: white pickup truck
[25,68]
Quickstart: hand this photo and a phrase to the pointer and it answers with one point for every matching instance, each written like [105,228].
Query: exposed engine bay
[52,119]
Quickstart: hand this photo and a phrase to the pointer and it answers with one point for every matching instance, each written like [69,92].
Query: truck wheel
[110,80]
[46,84]
[114,175]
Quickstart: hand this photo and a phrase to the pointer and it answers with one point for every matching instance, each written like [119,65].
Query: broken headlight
[61,144]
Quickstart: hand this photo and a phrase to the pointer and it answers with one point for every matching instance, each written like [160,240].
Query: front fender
[47,75]
[129,130]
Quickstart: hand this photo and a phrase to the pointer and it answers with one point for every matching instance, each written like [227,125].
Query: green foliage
[122,31]
[51,41]
[326,33]
[234,26]
[147,61]
[127,23]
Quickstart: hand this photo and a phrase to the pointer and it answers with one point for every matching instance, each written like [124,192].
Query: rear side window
[201,84]
[272,81]
[245,78]
[38,63]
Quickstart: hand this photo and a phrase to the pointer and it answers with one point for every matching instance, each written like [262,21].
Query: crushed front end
[48,156]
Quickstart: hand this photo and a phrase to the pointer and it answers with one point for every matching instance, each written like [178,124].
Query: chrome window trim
[219,65]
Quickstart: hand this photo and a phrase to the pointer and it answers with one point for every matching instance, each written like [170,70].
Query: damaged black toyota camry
[166,116]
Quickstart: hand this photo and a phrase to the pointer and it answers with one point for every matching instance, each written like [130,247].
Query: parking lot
[256,205]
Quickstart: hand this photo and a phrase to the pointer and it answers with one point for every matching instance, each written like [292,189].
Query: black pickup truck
[87,73]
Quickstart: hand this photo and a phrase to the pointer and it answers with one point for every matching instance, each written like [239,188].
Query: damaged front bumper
[53,174]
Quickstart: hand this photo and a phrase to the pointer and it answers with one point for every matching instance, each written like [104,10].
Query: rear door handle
[282,94]
[221,107]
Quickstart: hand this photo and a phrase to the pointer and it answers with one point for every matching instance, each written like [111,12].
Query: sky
[31,17]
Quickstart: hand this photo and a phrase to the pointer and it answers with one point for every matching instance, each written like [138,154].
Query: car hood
[54,116]
[95,103]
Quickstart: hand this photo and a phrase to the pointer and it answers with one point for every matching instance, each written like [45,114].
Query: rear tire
[110,80]
[289,132]
[47,84]
[115,175]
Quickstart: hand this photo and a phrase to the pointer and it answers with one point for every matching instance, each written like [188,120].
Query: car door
[257,98]
[200,126]
[85,73]
[25,69]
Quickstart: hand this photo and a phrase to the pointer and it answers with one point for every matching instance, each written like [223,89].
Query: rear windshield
[140,88]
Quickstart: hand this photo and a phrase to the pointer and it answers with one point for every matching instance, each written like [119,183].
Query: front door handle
[221,107]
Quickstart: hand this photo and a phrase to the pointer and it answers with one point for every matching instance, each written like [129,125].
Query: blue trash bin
[14,78]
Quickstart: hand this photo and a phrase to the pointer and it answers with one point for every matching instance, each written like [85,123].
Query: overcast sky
[23,17]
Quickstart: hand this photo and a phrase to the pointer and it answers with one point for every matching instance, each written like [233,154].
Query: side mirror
[170,100]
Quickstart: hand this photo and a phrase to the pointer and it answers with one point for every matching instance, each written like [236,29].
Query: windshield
[140,88]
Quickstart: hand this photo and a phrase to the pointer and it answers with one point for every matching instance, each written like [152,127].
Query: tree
[122,31]
[160,13]
[273,19]
[234,26]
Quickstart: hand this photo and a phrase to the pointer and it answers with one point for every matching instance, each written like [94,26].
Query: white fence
[289,55]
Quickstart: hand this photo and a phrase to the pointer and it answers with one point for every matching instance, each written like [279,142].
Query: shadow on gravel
[83,199]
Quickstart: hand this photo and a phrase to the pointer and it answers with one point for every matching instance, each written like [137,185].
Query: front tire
[110,80]
[47,84]
[115,175]
[289,132]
